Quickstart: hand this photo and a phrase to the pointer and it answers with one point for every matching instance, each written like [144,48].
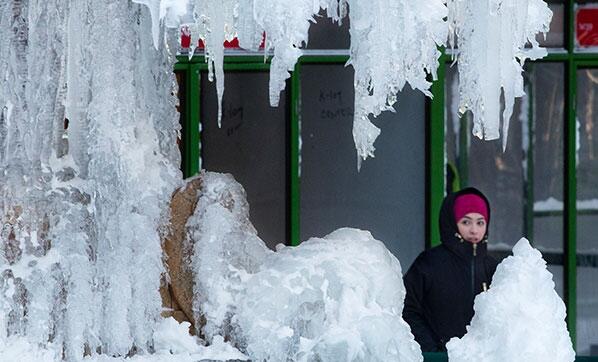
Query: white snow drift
[520,318]
[337,298]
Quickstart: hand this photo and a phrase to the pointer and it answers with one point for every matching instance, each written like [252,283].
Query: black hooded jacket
[443,282]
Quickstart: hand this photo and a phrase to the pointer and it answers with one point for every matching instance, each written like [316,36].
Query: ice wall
[492,37]
[83,200]
[520,318]
[337,298]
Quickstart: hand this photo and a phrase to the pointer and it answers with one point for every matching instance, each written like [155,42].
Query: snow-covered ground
[172,344]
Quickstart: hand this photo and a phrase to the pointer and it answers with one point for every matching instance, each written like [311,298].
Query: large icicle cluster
[337,298]
[491,36]
[520,318]
[393,43]
[88,117]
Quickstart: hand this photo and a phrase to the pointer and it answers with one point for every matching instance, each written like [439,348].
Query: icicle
[382,39]
[364,135]
[382,36]
[284,37]
[155,13]
[491,36]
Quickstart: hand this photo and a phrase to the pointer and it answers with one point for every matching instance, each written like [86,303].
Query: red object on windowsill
[233,44]
[185,37]
[586,26]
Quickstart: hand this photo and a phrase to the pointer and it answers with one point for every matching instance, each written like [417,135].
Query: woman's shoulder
[432,256]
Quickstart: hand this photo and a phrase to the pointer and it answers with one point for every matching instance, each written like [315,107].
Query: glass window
[326,34]
[483,164]
[555,38]
[387,197]
[547,93]
[531,168]
[251,145]
[558,278]
[587,310]
[587,205]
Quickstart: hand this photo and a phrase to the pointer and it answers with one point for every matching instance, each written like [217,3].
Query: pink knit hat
[464,204]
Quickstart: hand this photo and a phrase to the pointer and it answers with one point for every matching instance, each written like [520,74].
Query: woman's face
[472,227]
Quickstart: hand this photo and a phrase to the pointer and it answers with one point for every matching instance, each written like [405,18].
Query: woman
[443,281]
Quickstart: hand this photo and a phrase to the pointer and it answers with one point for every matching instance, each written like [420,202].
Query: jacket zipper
[475,247]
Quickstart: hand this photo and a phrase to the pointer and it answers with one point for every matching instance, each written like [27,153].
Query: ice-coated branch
[491,36]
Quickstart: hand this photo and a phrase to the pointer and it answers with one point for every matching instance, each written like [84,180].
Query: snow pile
[337,298]
[172,344]
[18,348]
[383,53]
[80,258]
[520,318]
[491,36]
[226,250]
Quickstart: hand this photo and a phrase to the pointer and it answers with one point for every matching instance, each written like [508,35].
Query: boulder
[177,293]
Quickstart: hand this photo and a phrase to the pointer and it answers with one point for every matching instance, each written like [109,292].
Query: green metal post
[295,135]
[435,157]
[529,159]
[191,127]
[569,192]
[570,196]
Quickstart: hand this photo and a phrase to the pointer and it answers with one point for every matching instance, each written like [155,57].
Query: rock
[180,286]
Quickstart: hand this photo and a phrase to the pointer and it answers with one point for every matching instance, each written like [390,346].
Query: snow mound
[172,343]
[18,348]
[520,318]
[337,298]
[226,249]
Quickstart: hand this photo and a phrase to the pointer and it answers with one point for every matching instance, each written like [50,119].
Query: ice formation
[225,250]
[172,343]
[392,43]
[88,117]
[520,318]
[337,298]
[383,51]
[492,38]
